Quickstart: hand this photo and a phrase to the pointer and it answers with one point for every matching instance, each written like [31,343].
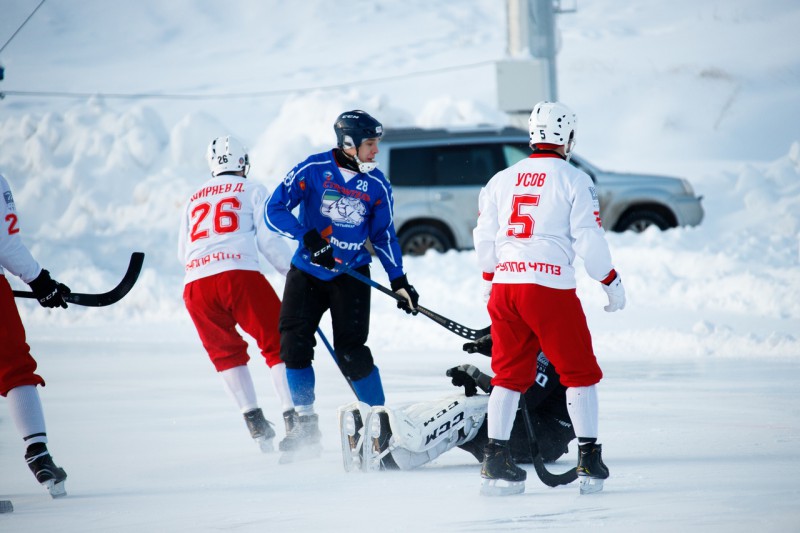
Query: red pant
[218,303]
[527,318]
[17,367]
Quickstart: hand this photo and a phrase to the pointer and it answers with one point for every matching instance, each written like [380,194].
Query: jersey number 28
[225,218]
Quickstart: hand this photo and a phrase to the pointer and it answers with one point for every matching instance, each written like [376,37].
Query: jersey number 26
[226,220]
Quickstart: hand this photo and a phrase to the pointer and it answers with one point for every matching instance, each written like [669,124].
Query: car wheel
[419,239]
[639,220]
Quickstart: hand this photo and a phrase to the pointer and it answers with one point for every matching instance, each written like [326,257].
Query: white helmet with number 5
[552,123]
[227,154]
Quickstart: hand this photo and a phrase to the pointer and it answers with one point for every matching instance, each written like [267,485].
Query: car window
[470,164]
[410,167]
[577,164]
[514,153]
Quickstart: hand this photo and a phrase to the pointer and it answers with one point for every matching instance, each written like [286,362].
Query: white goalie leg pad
[353,418]
[421,432]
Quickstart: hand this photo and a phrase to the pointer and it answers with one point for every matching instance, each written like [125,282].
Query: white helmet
[227,154]
[552,123]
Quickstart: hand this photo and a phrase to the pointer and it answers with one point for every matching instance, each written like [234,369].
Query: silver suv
[437,174]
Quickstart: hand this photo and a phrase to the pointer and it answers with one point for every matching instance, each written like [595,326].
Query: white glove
[616,295]
[487,291]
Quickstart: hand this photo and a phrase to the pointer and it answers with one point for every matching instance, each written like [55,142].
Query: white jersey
[533,218]
[14,256]
[222,228]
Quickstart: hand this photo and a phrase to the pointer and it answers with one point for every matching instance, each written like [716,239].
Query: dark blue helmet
[352,127]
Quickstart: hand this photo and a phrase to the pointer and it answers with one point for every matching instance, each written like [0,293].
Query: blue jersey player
[343,200]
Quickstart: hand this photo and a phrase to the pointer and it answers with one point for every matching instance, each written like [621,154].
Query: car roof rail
[422,134]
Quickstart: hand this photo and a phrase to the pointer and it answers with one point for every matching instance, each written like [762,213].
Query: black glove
[402,287]
[482,346]
[49,292]
[321,250]
[470,378]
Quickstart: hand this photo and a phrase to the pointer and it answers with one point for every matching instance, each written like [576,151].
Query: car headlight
[687,187]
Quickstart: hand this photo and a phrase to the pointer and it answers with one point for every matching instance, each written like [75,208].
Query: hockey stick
[547,477]
[327,344]
[105,298]
[336,360]
[455,327]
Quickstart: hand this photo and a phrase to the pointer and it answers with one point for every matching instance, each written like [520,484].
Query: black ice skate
[47,473]
[500,476]
[303,441]
[289,420]
[260,429]
[378,443]
[591,469]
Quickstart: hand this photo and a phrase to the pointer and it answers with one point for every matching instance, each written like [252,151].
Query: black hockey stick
[547,477]
[455,327]
[327,344]
[105,298]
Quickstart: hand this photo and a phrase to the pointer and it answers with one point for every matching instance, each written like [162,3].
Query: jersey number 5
[521,222]
[225,218]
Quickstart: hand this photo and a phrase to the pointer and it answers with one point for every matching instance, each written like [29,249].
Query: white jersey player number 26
[224,218]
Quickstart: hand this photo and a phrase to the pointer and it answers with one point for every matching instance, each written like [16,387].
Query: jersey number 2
[11,218]
[225,218]
[521,222]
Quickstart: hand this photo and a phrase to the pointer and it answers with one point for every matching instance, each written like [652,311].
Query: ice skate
[47,473]
[260,429]
[289,420]
[303,441]
[376,451]
[592,471]
[6,506]
[499,475]
[352,419]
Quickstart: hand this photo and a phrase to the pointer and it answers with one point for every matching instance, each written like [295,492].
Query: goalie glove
[469,377]
[482,346]
[615,292]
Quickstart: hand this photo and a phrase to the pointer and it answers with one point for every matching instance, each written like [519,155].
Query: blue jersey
[345,212]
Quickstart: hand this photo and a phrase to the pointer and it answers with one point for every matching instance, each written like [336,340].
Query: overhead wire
[21,26]
[253,94]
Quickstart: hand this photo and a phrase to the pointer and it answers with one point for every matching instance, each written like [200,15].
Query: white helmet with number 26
[552,123]
[227,154]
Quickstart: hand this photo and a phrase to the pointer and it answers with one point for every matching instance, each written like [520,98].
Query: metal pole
[542,39]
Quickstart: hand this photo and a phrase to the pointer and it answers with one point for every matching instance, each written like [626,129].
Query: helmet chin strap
[365,167]
[569,147]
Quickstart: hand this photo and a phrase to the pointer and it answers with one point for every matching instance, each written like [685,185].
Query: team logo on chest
[342,210]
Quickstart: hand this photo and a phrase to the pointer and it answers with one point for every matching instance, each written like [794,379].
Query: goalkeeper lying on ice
[407,437]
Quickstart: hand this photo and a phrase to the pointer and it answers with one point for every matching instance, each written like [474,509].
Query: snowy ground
[152,443]
[700,413]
